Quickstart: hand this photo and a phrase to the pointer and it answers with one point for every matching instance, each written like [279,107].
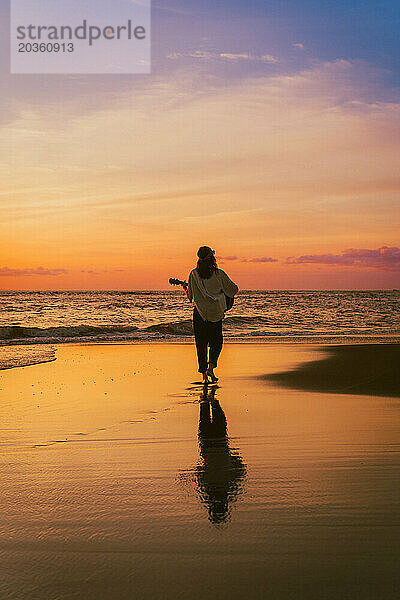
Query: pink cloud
[385,257]
[260,259]
[257,259]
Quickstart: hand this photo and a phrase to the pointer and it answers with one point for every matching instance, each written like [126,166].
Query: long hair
[206,265]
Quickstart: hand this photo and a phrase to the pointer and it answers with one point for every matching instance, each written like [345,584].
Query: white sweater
[209,294]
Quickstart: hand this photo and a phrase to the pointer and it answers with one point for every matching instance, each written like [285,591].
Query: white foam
[23,356]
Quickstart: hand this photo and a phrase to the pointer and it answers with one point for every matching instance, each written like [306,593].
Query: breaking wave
[24,356]
[179,328]
[234,327]
[16,333]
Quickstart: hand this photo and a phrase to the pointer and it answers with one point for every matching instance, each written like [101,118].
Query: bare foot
[211,375]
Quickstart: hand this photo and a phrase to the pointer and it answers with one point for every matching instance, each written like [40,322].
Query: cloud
[385,257]
[309,157]
[299,46]
[172,10]
[200,54]
[268,58]
[7,272]
[260,259]
[230,56]
[257,259]
[227,56]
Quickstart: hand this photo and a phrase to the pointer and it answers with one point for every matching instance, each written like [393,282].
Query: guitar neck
[174,281]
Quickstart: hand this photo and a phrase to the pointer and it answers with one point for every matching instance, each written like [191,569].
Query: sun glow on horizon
[261,155]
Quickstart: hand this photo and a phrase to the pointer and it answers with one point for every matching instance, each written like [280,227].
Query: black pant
[207,333]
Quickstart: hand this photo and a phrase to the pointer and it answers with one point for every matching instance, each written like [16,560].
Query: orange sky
[120,195]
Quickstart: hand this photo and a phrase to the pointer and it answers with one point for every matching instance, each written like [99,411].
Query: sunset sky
[268,130]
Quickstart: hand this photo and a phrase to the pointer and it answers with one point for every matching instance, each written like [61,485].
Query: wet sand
[122,478]
[370,369]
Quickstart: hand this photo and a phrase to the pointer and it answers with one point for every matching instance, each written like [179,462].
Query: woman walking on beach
[208,288]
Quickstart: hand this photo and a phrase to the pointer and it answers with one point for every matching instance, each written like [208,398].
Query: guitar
[173,281]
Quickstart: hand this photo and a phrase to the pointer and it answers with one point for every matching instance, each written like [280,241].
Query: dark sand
[367,369]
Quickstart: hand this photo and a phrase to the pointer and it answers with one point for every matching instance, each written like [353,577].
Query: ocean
[54,317]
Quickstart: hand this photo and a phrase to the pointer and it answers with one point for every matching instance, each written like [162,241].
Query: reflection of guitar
[173,281]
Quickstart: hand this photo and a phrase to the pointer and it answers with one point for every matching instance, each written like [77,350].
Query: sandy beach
[122,478]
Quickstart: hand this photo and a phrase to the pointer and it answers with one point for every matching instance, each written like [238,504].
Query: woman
[208,287]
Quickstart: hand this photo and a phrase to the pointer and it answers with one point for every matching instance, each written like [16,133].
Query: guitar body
[173,281]
[229,302]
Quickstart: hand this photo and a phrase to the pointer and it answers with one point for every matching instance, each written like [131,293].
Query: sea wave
[178,328]
[17,332]
[24,356]
[234,327]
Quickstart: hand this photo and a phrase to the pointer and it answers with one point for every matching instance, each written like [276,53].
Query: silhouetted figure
[212,292]
[221,474]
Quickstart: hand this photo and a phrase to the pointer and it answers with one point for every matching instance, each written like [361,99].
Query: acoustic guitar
[174,281]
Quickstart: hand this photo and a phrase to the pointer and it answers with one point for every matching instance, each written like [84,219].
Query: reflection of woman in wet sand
[222,472]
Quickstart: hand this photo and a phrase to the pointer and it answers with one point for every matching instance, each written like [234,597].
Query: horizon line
[389,289]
